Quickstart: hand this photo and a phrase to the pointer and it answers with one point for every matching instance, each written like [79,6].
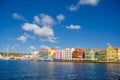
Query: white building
[27,57]
[67,53]
[0,56]
[36,55]
[118,54]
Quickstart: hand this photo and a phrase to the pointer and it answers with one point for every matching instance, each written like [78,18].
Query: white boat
[6,58]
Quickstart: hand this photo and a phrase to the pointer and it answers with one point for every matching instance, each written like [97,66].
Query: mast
[7,49]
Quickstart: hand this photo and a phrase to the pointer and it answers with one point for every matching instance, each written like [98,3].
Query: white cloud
[83,2]
[46,20]
[44,46]
[18,16]
[89,2]
[73,7]
[73,27]
[57,47]
[24,37]
[36,19]
[31,48]
[60,17]
[44,33]
[13,48]
[108,43]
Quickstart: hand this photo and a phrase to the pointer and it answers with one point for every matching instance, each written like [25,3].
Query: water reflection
[27,70]
[113,71]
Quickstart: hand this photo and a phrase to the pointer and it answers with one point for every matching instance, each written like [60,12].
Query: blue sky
[32,24]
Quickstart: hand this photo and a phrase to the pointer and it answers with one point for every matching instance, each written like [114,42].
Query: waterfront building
[45,55]
[58,54]
[118,54]
[36,55]
[0,56]
[89,54]
[67,53]
[42,53]
[97,55]
[103,55]
[19,56]
[78,54]
[112,54]
[27,57]
[51,53]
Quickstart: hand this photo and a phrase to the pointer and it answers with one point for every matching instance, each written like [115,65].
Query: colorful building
[51,53]
[42,53]
[112,54]
[46,55]
[97,55]
[36,55]
[103,55]
[78,54]
[58,54]
[89,54]
[118,54]
[67,53]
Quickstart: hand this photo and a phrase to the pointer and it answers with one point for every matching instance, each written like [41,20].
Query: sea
[35,70]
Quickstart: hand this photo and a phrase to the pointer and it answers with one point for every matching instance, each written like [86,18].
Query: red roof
[53,48]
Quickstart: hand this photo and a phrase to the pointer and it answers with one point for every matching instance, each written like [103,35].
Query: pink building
[58,54]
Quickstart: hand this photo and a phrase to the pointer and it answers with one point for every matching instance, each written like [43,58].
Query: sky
[29,25]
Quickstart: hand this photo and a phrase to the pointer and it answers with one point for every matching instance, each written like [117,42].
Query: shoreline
[62,61]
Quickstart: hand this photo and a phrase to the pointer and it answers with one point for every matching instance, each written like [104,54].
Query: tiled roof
[53,48]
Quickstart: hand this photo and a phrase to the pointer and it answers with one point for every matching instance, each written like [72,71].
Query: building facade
[36,55]
[67,53]
[89,54]
[103,55]
[51,53]
[112,54]
[118,54]
[42,53]
[58,54]
[78,54]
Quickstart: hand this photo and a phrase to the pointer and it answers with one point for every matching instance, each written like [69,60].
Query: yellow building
[51,52]
[118,54]
[112,54]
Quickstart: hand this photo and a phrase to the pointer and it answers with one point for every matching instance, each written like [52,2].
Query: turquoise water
[33,70]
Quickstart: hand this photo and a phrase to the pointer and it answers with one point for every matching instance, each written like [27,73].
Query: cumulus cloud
[31,48]
[44,46]
[83,2]
[18,16]
[107,43]
[44,20]
[73,27]
[24,37]
[37,19]
[73,7]
[44,33]
[89,2]
[60,18]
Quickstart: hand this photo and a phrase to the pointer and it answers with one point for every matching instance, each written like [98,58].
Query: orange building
[78,54]
[42,51]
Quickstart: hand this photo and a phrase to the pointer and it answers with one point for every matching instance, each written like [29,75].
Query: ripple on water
[28,70]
